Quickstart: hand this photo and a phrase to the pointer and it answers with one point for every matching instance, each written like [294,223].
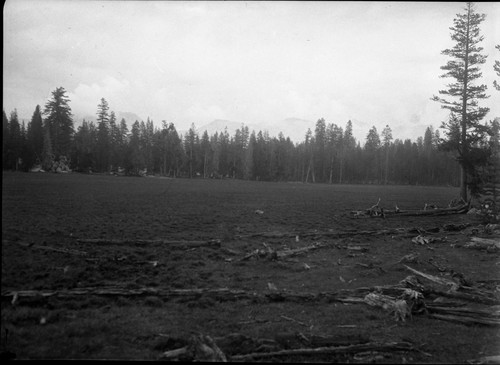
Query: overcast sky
[375,63]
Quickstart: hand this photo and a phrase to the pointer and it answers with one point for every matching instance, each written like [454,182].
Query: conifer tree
[5,139]
[103,136]
[462,96]
[60,123]
[386,141]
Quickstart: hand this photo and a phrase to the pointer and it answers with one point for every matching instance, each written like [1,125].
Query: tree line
[329,154]
[467,155]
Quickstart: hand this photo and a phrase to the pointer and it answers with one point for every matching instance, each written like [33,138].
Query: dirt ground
[47,218]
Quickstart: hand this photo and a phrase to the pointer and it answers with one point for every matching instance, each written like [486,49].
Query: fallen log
[352,349]
[340,234]
[49,248]
[432,212]
[271,254]
[456,290]
[435,279]
[220,293]
[223,294]
[318,234]
[388,297]
[178,243]
[466,320]
[488,244]
[462,209]
[495,359]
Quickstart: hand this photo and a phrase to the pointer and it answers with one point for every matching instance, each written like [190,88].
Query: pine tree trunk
[463,172]
[386,164]
[341,168]
[331,171]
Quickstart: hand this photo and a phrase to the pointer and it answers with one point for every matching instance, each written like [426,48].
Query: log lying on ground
[175,243]
[49,248]
[454,289]
[223,294]
[238,347]
[352,349]
[271,254]
[412,302]
[488,244]
[381,296]
[347,233]
[430,212]
[353,296]
[219,293]
[466,315]
[462,209]
[239,344]
[495,359]
[317,234]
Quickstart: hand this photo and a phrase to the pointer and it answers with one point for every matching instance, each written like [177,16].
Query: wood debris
[49,248]
[174,243]
[429,210]
[200,348]
[488,244]
[351,349]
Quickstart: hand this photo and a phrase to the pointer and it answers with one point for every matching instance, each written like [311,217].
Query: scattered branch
[382,347]
[176,243]
[49,248]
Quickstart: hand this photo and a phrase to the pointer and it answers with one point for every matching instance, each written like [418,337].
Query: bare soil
[47,217]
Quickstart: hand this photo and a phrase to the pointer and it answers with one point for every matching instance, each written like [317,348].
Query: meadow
[113,256]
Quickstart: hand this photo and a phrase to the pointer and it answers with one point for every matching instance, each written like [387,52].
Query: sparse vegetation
[53,210]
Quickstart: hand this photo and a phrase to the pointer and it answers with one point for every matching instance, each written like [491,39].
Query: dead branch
[454,290]
[221,293]
[382,347]
[466,320]
[200,348]
[271,254]
[432,212]
[490,245]
[435,279]
[327,234]
[174,354]
[495,359]
[293,320]
[406,213]
[176,243]
[49,248]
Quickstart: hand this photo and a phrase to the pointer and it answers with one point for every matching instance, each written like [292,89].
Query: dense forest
[329,154]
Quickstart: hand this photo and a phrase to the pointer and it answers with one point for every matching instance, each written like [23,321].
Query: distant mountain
[295,128]
[219,125]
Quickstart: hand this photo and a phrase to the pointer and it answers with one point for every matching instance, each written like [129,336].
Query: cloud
[257,62]
[85,98]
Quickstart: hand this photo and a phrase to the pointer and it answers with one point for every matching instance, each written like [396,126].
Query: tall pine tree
[103,136]
[59,122]
[462,95]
